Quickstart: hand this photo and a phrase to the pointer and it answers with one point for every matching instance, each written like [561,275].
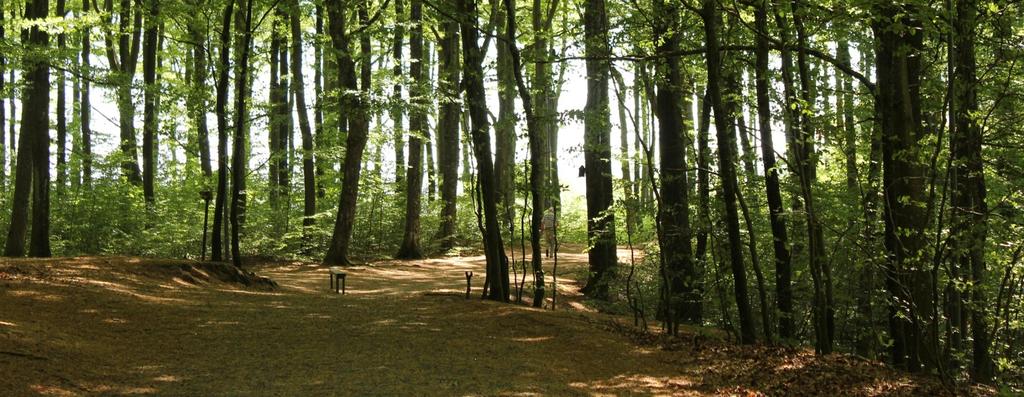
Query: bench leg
[331,276]
[343,284]
[336,285]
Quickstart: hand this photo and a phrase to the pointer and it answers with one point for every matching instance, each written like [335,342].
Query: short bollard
[469,283]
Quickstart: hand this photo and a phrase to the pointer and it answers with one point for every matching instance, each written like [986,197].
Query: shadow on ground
[129,326]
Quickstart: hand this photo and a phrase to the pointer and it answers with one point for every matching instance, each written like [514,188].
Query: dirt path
[113,326]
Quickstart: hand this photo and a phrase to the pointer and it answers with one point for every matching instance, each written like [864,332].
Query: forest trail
[133,326]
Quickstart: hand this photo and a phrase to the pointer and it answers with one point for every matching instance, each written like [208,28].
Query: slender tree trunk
[627,184]
[554,185]
[197,102]
[200,93]
[286,124]
[448,132]
[12,147]
[149,124]
[780,241]
[867,277]
[803,144]
[274,109]
[505,128]
[428,141]
[123,64]
[397,108]
[674,113]
[85,107]
[358,130]
[727,168]
[308,161]
[243,90]
[747,155]
[216,245]
[970,211]
[538,155]
[62,111]
[597,153]
[863,269]
[755,262]
[320,139]
[703,177]
[541,84]
[74,168]
[410,248]
[239,158]
[3,108]
[497,262]
[467,146]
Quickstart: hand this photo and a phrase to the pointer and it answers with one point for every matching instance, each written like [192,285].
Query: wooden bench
[337,279]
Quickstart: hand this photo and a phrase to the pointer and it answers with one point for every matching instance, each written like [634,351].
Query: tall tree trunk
[299,88]
[198,33]
[780,241]
[803,145]
[219,207]
[239,157]
[358,125]
[674,112]
[863,269]
[791,123]
[285,125]
[410,248]
[538,154]
[275,105]
[497,262]
[197,102]
[505,128]
[870,202]
[3,107]
[908,278]
[448,131]
[703,177]
[727,168]
[627,183]
[33,170]
[243,90]
[541,84]
[320,139]
[149,124]
[12,147]
[428,141]
[970,211]
[755,262]
[85,108]
[397,108]
[597,153]
[123,63]
[35,119]
[467,147]
[74,168]
[62,111]
[745,124]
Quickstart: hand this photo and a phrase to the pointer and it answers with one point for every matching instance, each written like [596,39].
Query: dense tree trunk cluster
[871,150]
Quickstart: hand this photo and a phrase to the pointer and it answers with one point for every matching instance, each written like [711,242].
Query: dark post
[469,283]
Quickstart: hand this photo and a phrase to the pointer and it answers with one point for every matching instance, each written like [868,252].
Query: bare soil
[115,326]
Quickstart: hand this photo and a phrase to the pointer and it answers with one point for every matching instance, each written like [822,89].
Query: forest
[804,180]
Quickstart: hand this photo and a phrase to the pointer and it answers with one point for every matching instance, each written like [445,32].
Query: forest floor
[115,325]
